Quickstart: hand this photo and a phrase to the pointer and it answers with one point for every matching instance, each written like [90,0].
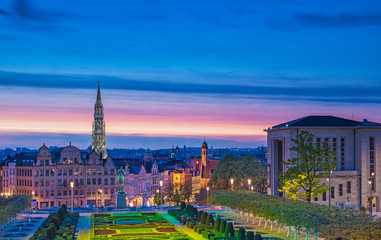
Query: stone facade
[352,141]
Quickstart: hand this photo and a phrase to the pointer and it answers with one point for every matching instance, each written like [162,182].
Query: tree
[186,190]
[157,198]
[201,196]
[169,192]
[176,198]
[241,169]
[314,161]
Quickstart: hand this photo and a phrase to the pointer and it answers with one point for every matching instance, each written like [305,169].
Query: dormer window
[70,161]
[76,161]
[64,161]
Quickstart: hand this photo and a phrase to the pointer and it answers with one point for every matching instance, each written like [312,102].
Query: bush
[194,213]
[56,221]
[229,230]
[209,220]
[182,206]
[199,216]
[64,208]
[222,226]
[250,235]
[217,224]
[203,217]
[241,233]
[258,237]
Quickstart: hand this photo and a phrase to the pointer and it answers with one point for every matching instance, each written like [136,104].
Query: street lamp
[252,188]
[161,195]
[72,195]
[207,196]
[157,191]
[100,190]
[232,181]
[371,190]
[329,187]
[249,181]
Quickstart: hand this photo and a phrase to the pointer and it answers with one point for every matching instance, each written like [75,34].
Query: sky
[176,72]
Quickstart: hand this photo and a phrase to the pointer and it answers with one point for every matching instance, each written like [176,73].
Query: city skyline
[172,74]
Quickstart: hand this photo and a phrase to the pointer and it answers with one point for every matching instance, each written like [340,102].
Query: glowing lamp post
[100,191]
[161,195]
[207,196]
[232,181]
[157,191]
[249,181]
[252,188]
[371,197]
[72,195]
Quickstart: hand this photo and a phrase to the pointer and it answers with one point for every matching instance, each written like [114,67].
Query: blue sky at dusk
[176,71]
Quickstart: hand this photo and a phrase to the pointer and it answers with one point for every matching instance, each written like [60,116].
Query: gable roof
[324,121]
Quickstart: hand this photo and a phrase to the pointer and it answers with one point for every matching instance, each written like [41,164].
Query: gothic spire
[99,99]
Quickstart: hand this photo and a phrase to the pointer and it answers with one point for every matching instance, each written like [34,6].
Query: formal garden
[59,225]
[11,206]
[145,225]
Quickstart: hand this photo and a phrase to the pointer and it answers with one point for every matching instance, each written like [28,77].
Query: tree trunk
[279,228]
[289,231]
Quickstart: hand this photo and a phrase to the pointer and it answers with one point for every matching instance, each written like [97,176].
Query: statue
[120,179]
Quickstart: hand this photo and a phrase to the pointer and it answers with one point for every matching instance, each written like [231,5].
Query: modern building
[358,155]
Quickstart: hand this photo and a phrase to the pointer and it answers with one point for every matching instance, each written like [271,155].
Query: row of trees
[240,169]
[327,222]
[175,193]
[11,206]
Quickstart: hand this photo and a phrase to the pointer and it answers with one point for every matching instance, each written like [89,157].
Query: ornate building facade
[358,156]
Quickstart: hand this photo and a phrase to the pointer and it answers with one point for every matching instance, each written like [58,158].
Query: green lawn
[133,226]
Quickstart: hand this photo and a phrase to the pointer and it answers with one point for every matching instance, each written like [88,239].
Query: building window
[75,160]
[94,182]
[342,156]
[52,193]
[70,172]
[52,172]
[59,193]
[81,182]
[59,172]
[46,162]
[88,172]
[75,172]
[372,162]
[88,181]
[41,172]
[112,171]
[81,171]
[349,187]
[42,183]
[332,192]
[324,196]
[47,172]
[112,181]
[94,172]
[65,172]
[99,171]
[36,173]
[64,192]
[70,161]
[318,141]
[105,172]
[106,181]
[99,181]
[340,189]
[64,161]
[316,199]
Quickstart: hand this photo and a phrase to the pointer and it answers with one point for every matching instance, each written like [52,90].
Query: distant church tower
[99,134]
[204,153]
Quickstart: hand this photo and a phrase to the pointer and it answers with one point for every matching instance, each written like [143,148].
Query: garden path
[183,228]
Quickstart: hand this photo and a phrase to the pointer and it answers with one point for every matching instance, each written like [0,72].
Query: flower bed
[133,226]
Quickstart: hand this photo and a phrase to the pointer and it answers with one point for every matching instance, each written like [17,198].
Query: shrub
[56,221]
[194,212]
[64,208]
[199,216]
[229,230]
[258,237]
[217,224]
[182,206]
[209,220]
[250,235]
[241,233]
[203,217]
[222,226]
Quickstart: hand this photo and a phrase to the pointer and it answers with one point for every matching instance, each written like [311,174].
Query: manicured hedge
[60,224]
[327,222]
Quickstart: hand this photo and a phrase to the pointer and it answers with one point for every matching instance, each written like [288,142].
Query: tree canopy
[240,169]
[314,161]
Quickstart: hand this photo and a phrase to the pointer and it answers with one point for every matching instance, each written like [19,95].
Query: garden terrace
[323,221]
[145,225]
